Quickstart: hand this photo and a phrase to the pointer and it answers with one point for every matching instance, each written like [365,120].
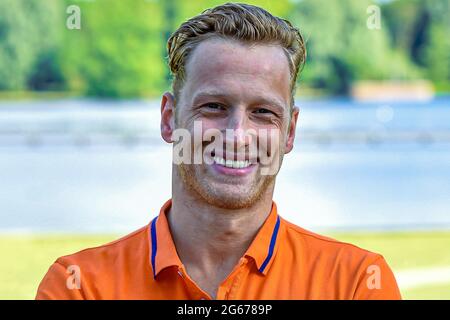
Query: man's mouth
[227,165]
[235,164]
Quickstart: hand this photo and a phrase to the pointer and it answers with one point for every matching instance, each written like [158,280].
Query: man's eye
[214,106]
[263,111]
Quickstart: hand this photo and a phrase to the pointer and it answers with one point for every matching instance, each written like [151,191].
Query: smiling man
[220,236]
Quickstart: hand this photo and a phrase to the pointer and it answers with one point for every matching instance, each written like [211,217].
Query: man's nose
[237,129]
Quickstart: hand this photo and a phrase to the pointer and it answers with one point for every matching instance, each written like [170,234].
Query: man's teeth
[232,163]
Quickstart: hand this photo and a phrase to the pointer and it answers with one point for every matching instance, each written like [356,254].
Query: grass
[405,250]
[409,250]
[25,259]
[430,292]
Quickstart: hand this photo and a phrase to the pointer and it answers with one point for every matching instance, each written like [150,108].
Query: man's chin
[221,194]
[231,197]
[228,201]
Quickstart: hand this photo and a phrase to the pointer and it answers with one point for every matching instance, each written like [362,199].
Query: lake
[101,166]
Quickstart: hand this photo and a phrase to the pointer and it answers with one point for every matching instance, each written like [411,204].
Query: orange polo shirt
[284,261]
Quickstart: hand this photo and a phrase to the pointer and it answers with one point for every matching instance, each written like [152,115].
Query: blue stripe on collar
[154,245]
[273,240]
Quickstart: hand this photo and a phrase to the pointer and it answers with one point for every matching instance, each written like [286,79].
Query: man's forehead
[230,56]
[226,64]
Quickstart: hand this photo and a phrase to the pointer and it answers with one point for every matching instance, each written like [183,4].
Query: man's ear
[167,116]
[291,131]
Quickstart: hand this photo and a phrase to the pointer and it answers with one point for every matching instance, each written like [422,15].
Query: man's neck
[210,240]
[204,234]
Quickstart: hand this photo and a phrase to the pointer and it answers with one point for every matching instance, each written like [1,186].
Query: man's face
[244,90]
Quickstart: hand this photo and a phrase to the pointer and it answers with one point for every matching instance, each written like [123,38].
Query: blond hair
[242,22]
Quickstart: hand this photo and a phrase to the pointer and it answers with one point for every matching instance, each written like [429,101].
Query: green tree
[118,50]
[27,35]
[421,30]
[341,47]
[435,52]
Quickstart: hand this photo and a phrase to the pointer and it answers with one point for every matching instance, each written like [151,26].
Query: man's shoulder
[358,272]
[87,274]
[130,246]
[321,245]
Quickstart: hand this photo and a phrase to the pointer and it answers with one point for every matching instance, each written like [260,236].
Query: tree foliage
[120,49]
[27,38]
[342,48]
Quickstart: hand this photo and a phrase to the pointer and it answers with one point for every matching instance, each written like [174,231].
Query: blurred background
[82,161]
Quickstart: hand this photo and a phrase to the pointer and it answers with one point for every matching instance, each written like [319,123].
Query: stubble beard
[218,198]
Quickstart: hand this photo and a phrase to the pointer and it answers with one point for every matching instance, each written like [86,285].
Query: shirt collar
[264,247]
[163,253]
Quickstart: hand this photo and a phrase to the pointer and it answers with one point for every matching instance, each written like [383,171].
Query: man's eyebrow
[260,99]
[209,94]
[274,103]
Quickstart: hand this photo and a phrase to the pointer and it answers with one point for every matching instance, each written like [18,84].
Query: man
[220,236]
